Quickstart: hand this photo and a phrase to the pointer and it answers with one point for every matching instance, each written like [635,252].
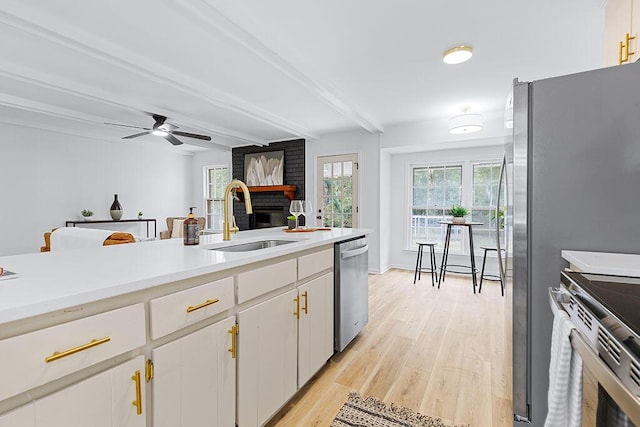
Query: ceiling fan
[163,129]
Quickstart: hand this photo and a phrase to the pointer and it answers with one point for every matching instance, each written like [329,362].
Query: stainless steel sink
[252,246]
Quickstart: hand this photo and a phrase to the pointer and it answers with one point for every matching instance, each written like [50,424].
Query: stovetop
[620,295]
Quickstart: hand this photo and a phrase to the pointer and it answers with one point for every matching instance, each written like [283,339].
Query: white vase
[458,220]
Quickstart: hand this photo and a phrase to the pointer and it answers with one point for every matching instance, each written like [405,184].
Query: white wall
[367,146]
[400,257]
[47,178]
[385,210]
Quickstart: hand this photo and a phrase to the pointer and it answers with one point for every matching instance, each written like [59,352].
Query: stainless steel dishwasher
[351,281]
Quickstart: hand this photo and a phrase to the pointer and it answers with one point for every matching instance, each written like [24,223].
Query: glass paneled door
[338,191]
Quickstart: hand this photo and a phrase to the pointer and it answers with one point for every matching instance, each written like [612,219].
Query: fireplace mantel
[288,190]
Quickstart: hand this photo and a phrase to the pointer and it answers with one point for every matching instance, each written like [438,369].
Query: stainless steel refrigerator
[572,179]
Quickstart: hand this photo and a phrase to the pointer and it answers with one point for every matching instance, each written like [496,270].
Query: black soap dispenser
[190,232]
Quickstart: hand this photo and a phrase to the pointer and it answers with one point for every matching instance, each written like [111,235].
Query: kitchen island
[178,333]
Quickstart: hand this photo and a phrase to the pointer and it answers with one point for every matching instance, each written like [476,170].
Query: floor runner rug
[371,412]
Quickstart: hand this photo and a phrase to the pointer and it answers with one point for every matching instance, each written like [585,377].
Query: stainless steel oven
[606,313]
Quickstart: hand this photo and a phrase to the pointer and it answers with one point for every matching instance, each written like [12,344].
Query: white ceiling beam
[67,87]
[103,50]
[214,21]
[66,131]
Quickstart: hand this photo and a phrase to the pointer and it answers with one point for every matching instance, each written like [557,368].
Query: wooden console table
[110,221]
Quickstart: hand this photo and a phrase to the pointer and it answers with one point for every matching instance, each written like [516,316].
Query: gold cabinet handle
[625,47]
[620,48]
[138,402]
[204,304]
[61,354]
[628,38]
[148,370]
[234,333]
[297,311]
[305,307]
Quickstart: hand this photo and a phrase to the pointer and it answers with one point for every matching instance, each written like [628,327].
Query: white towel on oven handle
[565,376]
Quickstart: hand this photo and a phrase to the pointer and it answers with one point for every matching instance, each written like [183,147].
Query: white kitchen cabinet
[23,416]
[315,327]
[178,310]
[38,357]
[114,398]
[194,379]
[282,342]
[267,358]
[622,18]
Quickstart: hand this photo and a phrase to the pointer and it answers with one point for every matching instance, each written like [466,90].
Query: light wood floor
[442,352]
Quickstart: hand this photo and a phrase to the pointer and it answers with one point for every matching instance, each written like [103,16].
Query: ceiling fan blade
[159,120]
[172,139]
[126,126]
[191,135]
[135,135]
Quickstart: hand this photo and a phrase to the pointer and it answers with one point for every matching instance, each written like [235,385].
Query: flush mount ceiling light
[465,123]
[457,55]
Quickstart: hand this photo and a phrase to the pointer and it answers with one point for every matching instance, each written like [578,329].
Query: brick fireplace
[270,208]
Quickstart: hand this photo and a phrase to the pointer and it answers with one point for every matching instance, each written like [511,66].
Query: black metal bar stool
[432,256]
[492,277]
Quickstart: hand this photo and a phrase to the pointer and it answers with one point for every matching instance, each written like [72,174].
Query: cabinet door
[267,358]
[194,379]
[104,400]
[23,416]
[617,24]
[315,328]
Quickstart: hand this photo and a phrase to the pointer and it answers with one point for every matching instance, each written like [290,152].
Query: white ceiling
[255,71]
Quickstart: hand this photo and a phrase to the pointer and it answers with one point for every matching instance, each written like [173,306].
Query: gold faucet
[227,229]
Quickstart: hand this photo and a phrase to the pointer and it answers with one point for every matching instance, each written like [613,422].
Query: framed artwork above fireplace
[264,169]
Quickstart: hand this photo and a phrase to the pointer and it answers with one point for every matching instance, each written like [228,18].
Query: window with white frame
[434,189]
[486,180]
[216,179]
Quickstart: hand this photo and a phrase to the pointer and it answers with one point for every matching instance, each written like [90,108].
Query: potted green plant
[140,214]
[500,218]
[291,222]
[458,213]
[86,214]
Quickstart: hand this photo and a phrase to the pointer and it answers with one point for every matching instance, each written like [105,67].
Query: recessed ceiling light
[457,55]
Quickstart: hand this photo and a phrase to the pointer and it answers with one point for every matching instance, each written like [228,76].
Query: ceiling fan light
[159,132]
[465,123]
[457,55]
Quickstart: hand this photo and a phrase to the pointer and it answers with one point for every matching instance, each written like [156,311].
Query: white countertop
[53,281]
[604,262]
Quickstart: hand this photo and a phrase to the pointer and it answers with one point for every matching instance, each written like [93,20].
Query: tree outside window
[217,178]
[486,180]
[434,191]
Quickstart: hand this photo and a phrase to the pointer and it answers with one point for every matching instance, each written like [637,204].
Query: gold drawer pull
[138,402]
[204,304]
[60,355]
